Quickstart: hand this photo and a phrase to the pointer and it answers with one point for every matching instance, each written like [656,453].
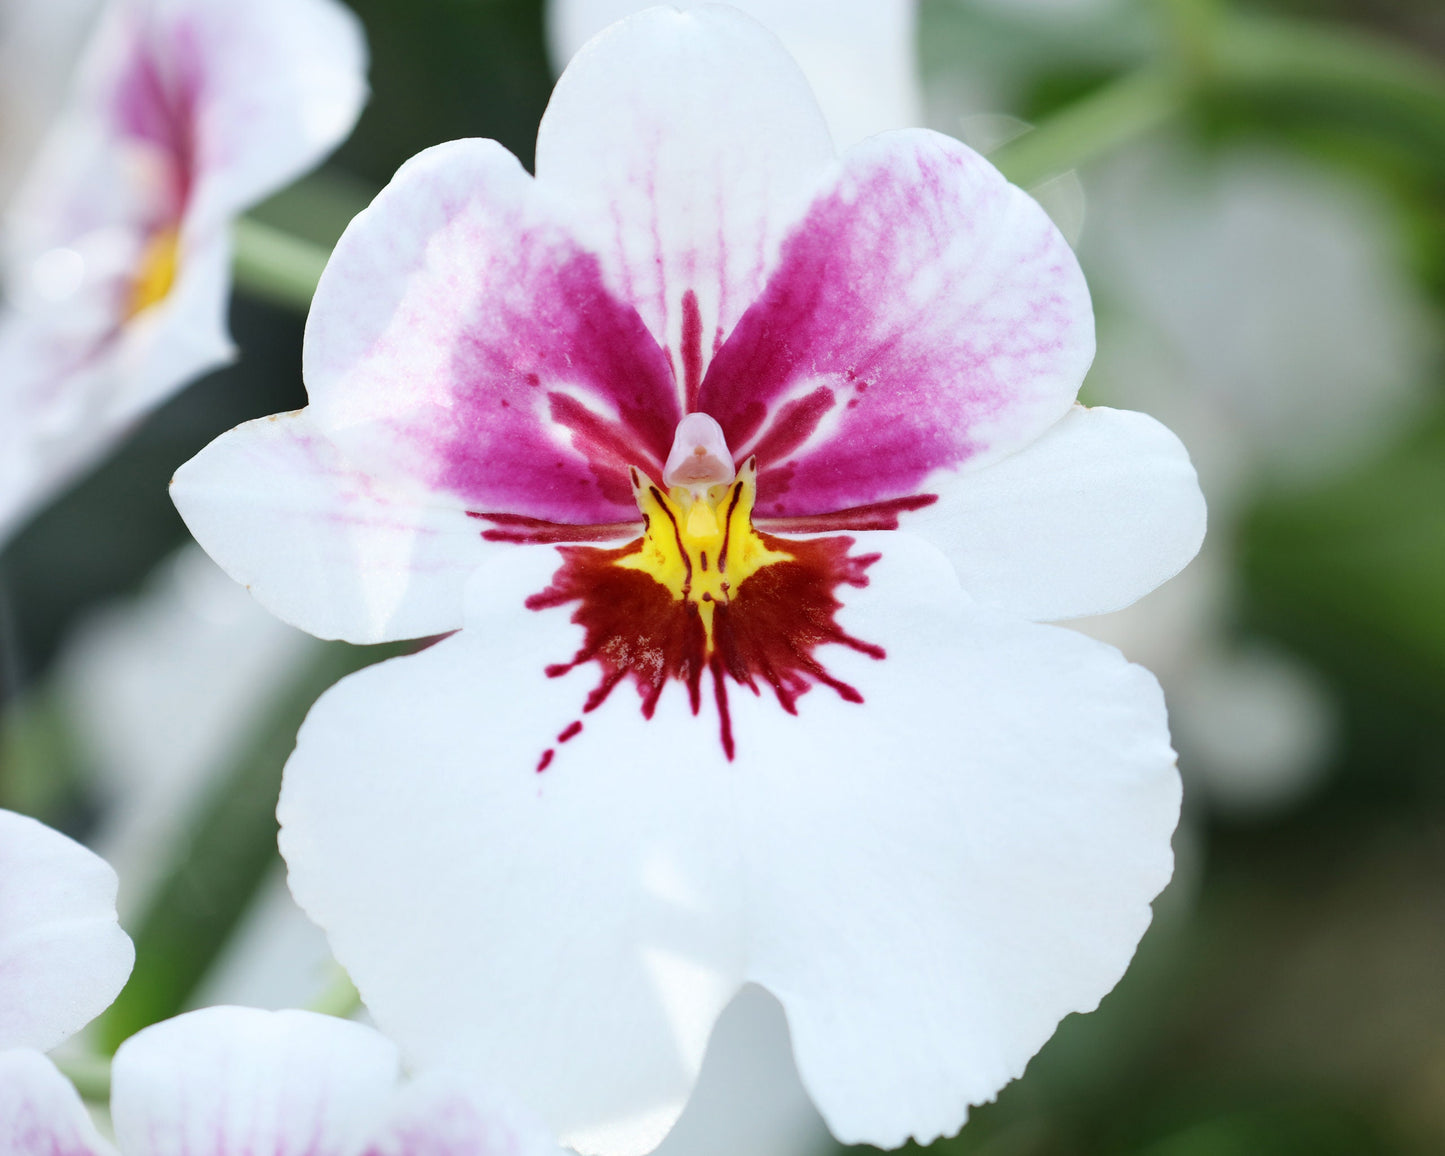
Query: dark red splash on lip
[766,635]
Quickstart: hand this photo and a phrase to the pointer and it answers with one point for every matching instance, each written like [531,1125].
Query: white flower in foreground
[858,775]
[117,247]
[858,55]
[63,956]
[227,1080]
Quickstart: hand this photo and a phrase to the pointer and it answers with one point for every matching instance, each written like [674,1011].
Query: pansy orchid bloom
[230,1079]
[117,248]
[744,473]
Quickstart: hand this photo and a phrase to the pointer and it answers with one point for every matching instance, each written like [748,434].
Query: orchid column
[786,445]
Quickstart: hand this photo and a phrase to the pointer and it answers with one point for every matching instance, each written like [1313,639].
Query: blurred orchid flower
[63,956]
[858,55]
[185,113]
[228,1079]
[930,828]
[1327,345]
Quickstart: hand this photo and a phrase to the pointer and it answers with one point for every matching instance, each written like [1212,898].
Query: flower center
[157,271]
[704,591]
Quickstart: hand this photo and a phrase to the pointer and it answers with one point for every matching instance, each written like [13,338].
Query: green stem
[1100,122]
[277,266]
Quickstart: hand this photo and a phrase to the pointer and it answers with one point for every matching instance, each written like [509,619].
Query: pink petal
[684,144]
[924,314]
[462,338]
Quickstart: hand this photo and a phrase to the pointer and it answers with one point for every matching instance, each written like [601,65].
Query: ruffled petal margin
[928,880]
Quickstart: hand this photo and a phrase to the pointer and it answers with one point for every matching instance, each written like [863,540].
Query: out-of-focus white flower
[39,43]
[63,956]
[858,55]
[226,1080]
[117,246]
[162,691]
[1254,302]
[927,825]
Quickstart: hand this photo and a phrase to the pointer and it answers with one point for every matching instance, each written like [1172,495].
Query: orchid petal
[461,338]
[928,880]
[445,1114]
[684,144]
[229,1079]
[1095,514]
[321,543]
[858,55]
[41,1114]
[63,956]
[924,313]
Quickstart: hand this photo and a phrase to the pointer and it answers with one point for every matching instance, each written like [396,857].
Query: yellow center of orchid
[157,271]
[700,544]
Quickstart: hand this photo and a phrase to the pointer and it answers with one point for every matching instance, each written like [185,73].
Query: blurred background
[1257,193]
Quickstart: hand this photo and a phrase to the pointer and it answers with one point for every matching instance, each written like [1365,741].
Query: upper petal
[462,338]
[63,956]
[1095,514]
[321,543]
[928,880]
[684,144]
[858,55]
[41,1114]
[229,1079]
[924,313]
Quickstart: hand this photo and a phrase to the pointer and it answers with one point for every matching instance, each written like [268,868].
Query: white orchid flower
[227,1079]
[117,256]
[787,444]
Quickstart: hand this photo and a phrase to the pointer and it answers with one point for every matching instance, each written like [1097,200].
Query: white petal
[928,880]
[227,1079]
[858,55]
[41,1114]
[446,1114]
[1095,514]
[322,545]
[286,80]
[685,142]
[63,956]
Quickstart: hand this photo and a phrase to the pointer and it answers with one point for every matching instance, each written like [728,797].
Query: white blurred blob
[1254,303]
[276,958]
[857,54]
[164,690]
[40,41]
[749,1099]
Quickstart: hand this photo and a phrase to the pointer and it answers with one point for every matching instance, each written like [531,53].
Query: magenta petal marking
[155,100]
[922,312]
[556,389]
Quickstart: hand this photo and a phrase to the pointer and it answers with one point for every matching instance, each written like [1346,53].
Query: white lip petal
[1092,516]
[229,1079]
[323,545]
[928,880]
[63,956]
[858,55]
[41,1114]
[685,143]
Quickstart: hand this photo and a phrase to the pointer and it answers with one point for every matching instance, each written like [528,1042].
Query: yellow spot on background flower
[157,271]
